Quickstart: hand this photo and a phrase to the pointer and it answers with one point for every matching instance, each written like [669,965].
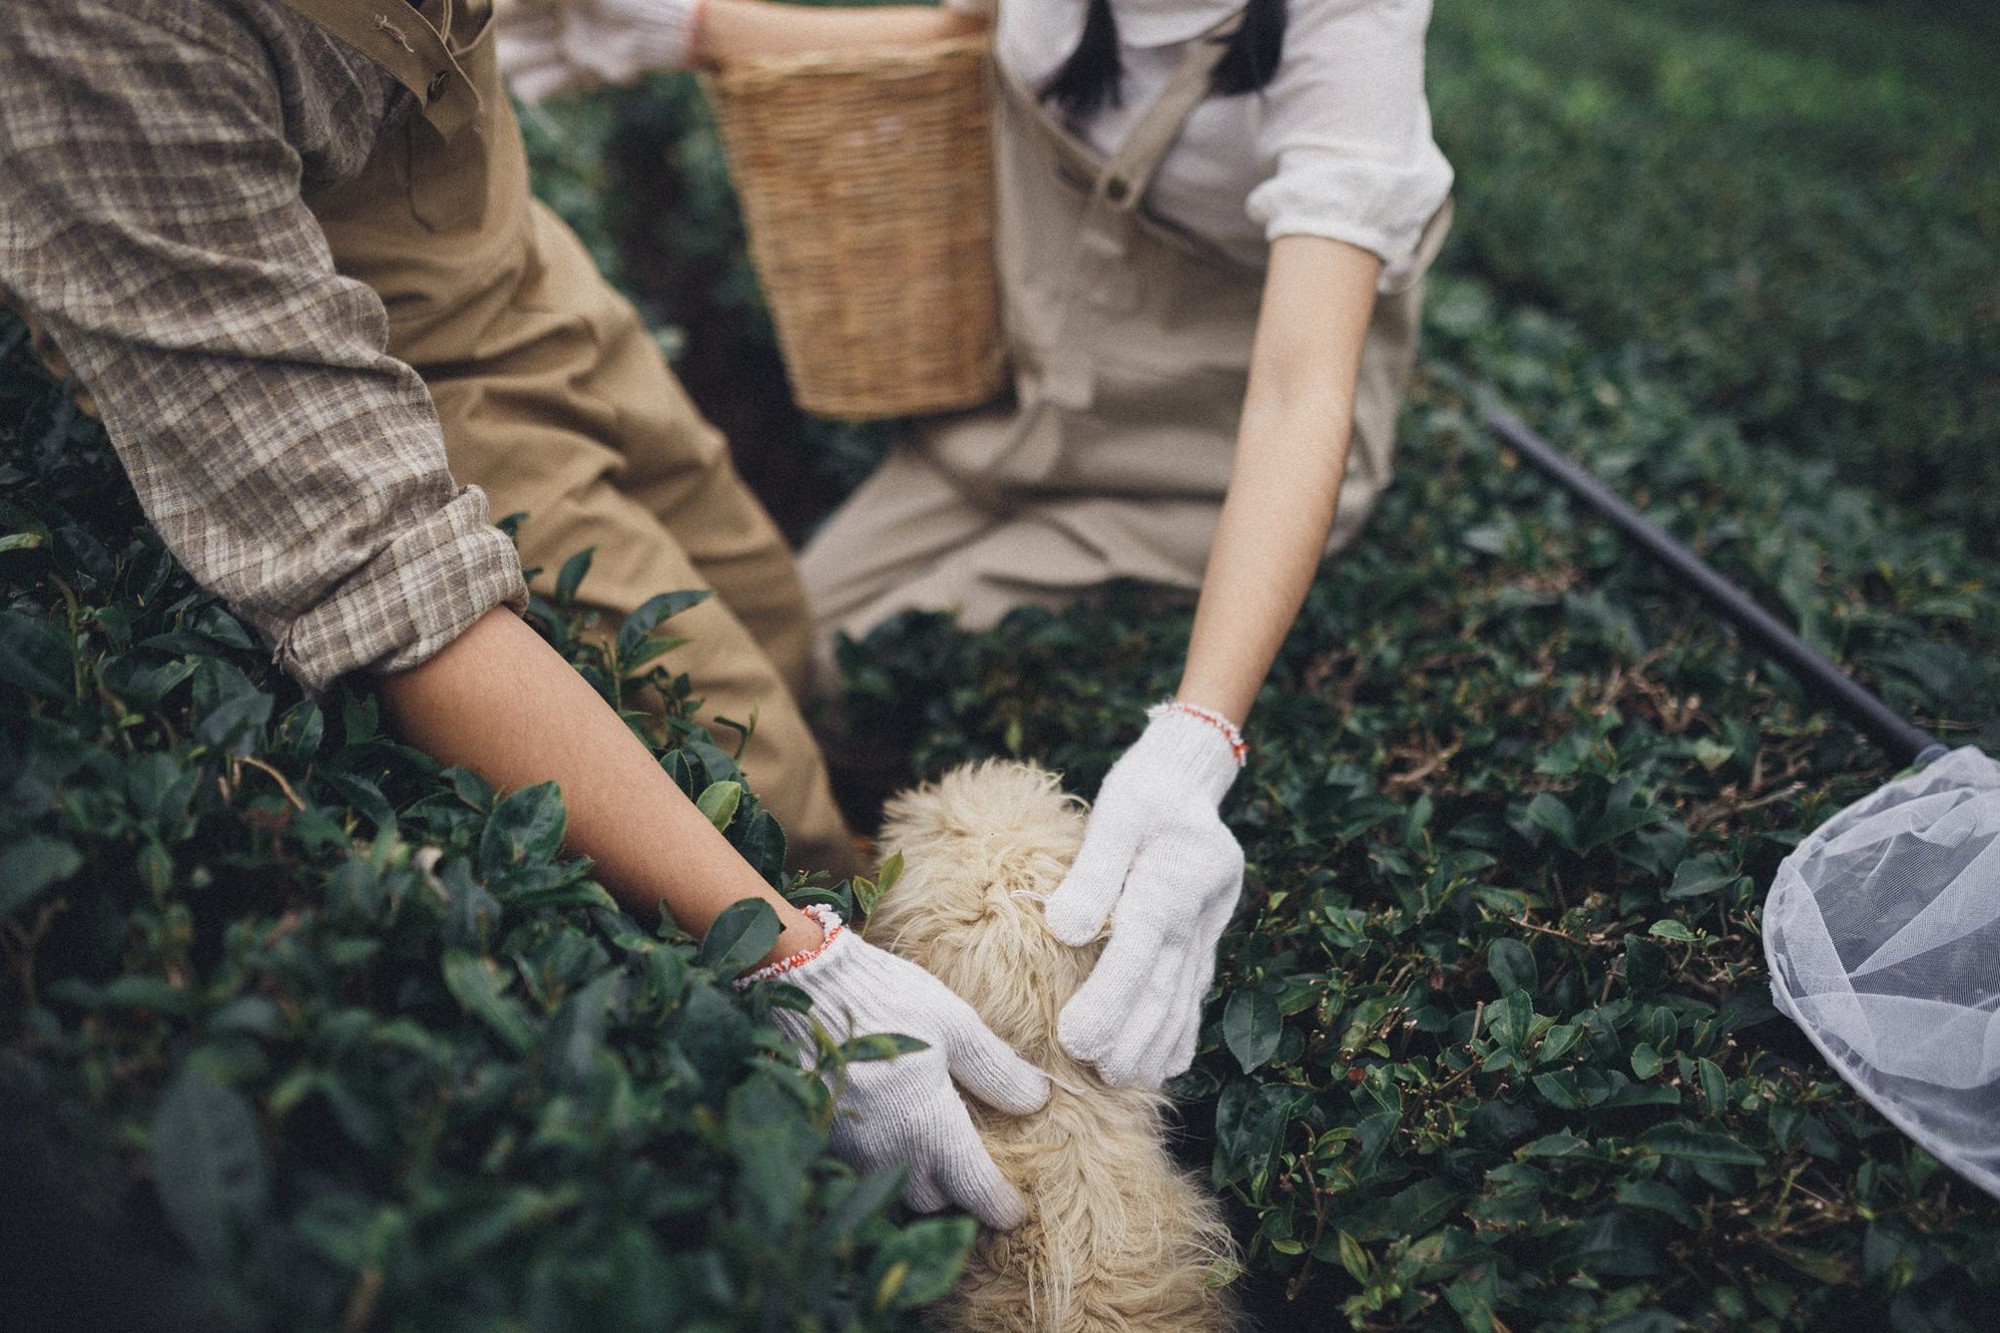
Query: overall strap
[1093,276]
[396,36]
[1123,181]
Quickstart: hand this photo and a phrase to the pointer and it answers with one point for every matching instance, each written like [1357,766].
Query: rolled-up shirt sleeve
[151,218]
[1348,127]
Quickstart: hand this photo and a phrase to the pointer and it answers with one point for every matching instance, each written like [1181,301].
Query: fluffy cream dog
[1119,1238]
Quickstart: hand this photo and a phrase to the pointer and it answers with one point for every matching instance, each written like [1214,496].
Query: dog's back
[1119,1238]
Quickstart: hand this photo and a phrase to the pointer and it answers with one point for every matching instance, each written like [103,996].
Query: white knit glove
[904,1111]
[1158,859]
[547,47]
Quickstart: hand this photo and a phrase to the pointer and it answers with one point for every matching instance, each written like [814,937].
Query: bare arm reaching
[1157,858]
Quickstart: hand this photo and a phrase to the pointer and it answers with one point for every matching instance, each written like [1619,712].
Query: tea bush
[1491,1045]
[347,1032]
[1787,205]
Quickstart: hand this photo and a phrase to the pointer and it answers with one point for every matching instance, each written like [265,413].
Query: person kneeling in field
[1212,222]
[287,249]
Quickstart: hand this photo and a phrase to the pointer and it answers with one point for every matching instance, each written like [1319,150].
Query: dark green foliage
[1490,1043]
[1789,206]
[349,1034]
[1492,1038]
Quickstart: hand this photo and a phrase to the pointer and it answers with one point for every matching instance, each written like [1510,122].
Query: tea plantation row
[298,1031]
[1492,1046]
[344,1041]
[1787,206]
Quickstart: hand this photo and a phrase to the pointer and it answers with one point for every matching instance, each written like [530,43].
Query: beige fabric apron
[557,402]
[1130,345]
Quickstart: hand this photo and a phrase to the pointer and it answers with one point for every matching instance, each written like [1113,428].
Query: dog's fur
[1119,1238]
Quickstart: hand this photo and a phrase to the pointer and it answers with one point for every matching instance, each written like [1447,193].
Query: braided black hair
[1088,81]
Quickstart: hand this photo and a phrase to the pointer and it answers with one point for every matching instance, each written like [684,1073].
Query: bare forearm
[733,30]
[502,703]
[1267,548]
[1291,453]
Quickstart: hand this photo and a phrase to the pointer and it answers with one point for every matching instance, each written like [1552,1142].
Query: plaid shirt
[154,155]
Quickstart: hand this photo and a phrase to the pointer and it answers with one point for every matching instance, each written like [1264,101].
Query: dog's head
[982,847]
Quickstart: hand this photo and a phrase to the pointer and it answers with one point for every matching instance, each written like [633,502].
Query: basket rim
[873,60]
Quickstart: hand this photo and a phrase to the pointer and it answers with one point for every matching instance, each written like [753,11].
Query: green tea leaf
[574,1034]
[641,623]
[1355,1259]
[526,827]
[1251,1025]
[362,794]
[774,1145]
[761,841]
[850,1204]
[1619,817]
[36,657]
[1701,876]
[209,1163]
[229,708]
[1699,1145]
[878,1046]
[478,985]
[1512,964]
[1645,965]
[741,935]
[570,577]
[920,1263]
[31,866]
[890,872]
[1658,1197]
[719,801]
[1554,814]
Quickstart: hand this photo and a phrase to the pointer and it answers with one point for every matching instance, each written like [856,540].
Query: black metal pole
[1904,742]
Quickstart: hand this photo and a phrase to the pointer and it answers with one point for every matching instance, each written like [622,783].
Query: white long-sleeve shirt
[1338,144]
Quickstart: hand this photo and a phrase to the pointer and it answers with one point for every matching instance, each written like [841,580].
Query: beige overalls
[556,401]
[1129,341]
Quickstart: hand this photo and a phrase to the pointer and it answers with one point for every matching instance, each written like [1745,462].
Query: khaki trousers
[1130,346]
[556,401]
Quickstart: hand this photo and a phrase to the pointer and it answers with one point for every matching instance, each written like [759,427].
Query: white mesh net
[1883,934]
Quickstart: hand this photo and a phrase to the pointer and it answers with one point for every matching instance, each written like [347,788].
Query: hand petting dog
[1158,861]
[905,1110]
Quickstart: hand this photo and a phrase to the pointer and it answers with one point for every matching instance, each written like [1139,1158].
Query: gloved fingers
[1217,909]
[1178,1054]
[976,1184]
[922,1193]
[1098,1014]
[1137,1058]
[1186,989]
[950,1166]
[1131,1003]
[1075,912]
[990,1069]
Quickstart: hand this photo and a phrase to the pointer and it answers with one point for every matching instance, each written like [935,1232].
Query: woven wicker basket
[867,190]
